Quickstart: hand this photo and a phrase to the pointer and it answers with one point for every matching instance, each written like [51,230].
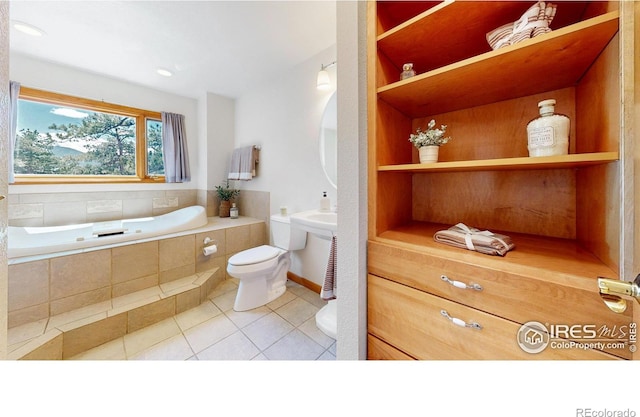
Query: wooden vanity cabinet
[564,213]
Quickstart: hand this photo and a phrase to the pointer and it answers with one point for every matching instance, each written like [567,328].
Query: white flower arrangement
[429,137]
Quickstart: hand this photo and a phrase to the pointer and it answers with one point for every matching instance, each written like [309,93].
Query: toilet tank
[284,236]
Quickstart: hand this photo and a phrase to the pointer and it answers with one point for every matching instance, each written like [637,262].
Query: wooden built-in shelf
[544,63]
[551,259]
[523,163]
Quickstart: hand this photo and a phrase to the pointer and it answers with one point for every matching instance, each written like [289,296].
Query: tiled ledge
[74,332]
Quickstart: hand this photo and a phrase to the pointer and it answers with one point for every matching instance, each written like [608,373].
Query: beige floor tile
[225,301]
[197,315]
[294,346]
[297,311]
[310,329]
[235,347]
[210,332]
[145,338]
[288,296]
[267,330]
[174,348]
[242,318]
[224,287]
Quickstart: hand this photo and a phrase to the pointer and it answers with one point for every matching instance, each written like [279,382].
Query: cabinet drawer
[379,350]
[414,323]
[517,297]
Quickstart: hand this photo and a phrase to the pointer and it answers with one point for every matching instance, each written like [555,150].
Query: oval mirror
[329,141]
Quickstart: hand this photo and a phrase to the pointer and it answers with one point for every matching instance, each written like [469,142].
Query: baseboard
[304,282]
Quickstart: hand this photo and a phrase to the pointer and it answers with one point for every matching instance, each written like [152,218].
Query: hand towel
[329,286]
[535,21]
[465,237]
[234,165]
[243,163]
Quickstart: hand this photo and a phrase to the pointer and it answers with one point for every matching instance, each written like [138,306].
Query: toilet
[262,270]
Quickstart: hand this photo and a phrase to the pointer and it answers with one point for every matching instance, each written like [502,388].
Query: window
[64,139]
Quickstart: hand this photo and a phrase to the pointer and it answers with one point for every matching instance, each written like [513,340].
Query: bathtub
[31,241]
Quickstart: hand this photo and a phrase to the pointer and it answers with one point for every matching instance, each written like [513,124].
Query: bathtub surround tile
[79,273]
[89,336]
[134,285]
[152,313]
[165,202]
[258,234]
[72,212]
[78,301]
[187,300]
[82,267]
[28,284]
[134,261]
[195,335]
[113,350]
[176,258]
[50,347]
[238,239]
[21,334]
[104,206]
[27,315]
[76,316]
[26,211]
[140,340]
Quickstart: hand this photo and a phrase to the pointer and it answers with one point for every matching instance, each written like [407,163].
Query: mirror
[329,141]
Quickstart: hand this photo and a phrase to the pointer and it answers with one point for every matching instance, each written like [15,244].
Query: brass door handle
[2,197]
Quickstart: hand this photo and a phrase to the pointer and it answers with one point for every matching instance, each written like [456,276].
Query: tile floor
[284,329]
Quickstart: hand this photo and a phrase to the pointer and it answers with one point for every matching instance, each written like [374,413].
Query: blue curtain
[14,92]
[174,148]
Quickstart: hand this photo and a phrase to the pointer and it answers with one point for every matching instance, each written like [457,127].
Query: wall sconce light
[324,82]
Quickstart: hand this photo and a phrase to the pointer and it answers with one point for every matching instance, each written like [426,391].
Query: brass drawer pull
[460,322]
[460,284]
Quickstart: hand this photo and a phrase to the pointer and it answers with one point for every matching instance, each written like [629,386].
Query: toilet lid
[254,255]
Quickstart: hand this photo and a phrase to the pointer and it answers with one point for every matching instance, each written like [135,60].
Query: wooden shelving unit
[563,212]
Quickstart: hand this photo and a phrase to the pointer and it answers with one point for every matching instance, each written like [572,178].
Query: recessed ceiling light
[27,28]
[164,72]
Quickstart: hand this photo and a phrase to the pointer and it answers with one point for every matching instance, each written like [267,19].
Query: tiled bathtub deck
[284,329]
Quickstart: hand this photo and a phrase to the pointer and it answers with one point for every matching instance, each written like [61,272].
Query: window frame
[141,116]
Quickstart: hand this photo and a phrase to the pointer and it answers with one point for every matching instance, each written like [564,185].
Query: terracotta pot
[428,154]
[225,208]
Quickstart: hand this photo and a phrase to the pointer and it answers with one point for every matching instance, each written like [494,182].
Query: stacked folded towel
[533,22]
[465,237]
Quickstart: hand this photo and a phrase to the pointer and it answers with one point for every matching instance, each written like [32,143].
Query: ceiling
[222,47]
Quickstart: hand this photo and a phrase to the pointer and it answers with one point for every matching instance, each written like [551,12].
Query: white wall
[66,80]
[284,117]
[4,140]
[352,179]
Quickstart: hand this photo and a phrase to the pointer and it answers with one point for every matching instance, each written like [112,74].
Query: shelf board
[406,41]
[548,258]
[522,163]
[544,63]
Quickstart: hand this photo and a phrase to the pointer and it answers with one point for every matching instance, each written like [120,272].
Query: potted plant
[225,195]
[429,141]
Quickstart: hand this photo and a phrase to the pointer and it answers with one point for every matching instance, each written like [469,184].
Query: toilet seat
[255,255]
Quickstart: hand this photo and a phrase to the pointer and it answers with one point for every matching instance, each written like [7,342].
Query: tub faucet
[611,291]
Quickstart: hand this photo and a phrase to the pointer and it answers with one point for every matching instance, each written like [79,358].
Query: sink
[320,223]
